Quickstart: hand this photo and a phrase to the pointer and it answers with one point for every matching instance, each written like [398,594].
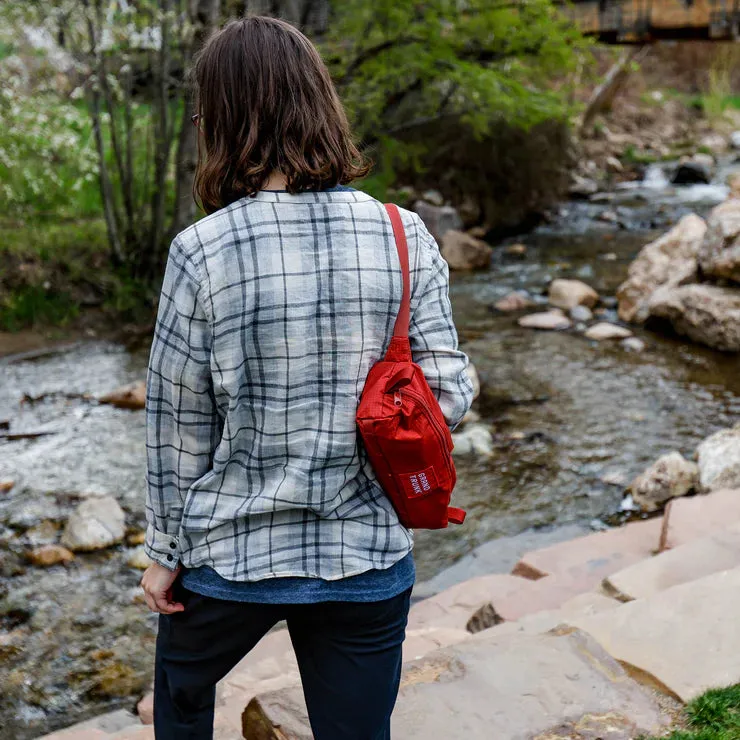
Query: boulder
[719,460]
[581,314]
[719,256]
[604,331]
[516,301]
[132,396]
[475,439]
[48,555]
[97,523]
[464,252]
[137,558]
[567,294]
[433,197]
[670,477]
[438,219]
[670,260]
[546,321]
[706,314]
[684,639]
[689,519]
[692,173]
[633,344]
[582,187]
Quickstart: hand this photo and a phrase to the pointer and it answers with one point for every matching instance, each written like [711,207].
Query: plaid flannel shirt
[272,312]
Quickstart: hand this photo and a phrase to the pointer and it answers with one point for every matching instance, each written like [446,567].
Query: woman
[261,504]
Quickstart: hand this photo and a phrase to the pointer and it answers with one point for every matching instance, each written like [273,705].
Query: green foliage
[401,63]
[712,716]
[33,305]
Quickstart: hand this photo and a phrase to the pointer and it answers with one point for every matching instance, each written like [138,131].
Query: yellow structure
[639,21]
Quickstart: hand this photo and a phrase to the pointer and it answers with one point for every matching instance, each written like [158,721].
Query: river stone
[712,554]
[6,485]
[719,460]
[464,252]
[474,439]
[511,687]
[695,170]
[604,331]
[581,314]
[546,321]
[685,638]
[633,344]
[438,219]
[516,301]
[474,379]
[131,396]
[706,314]
[719,255]
[567,294]
[48,555]
[670,260]
[137,558]
[97,523]
[669,477]
[688,519]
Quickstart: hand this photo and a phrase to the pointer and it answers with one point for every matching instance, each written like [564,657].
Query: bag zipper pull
[397,398]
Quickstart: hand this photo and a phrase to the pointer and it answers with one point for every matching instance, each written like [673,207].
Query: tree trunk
[204,15]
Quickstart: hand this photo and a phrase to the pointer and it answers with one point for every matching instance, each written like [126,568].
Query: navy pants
[349,656]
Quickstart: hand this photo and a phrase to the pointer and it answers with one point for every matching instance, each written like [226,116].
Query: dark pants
[349,656]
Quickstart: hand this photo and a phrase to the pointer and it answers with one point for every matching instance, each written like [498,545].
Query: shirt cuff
[162,548]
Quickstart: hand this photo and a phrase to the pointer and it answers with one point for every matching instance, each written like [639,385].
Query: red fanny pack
[405,434]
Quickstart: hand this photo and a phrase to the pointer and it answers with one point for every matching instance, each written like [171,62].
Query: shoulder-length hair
[266,104]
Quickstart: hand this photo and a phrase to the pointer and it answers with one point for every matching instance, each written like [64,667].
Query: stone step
[597,555]
[97,728]
[516,687]
[684,639]
[497,556]
[689,562]
[688,519]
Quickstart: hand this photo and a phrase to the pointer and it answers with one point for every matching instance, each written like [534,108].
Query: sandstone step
[97,728]
[689,562]
[685,638]
[137,732]
[688,519]
[496,556]
[487,687]
[597,555]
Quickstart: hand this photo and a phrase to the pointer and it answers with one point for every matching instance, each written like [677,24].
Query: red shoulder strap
[401,329]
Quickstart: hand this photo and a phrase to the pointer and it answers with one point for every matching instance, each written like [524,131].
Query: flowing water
[573,422]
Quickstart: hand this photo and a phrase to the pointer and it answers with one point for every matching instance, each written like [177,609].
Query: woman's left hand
[157,584]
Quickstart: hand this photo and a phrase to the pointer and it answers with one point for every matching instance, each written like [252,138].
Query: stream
[573,423]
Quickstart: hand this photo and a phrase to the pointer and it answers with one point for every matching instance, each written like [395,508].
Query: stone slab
[488,687]
[102,726]
[599,554]
[688,519]
[685,638]
[689,562]
[496,556]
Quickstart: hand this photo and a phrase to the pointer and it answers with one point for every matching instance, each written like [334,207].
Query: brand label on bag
[419,484]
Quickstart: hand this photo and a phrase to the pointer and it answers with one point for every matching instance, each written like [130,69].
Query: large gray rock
[97,523]
[464,252]
[670,260]
[669,477]
[719,460]
[516,687]
[706,314]
[438,219]
[719,255]
[684,638]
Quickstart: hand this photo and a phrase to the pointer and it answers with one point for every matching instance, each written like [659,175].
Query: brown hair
[266,103]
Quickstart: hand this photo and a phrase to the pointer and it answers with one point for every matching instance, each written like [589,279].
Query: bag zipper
[435,424]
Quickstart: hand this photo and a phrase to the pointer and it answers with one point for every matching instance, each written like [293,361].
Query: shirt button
[173,545]
[170,558]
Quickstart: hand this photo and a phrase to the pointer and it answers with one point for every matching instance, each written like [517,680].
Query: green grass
[713,716]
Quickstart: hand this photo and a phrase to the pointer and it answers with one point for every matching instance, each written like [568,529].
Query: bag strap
[401,328]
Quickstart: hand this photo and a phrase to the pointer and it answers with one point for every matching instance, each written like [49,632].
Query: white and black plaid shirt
[272,312]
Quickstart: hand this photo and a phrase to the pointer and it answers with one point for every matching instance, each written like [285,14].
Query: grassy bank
[713,716]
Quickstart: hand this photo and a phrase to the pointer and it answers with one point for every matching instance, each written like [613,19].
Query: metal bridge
[642,21]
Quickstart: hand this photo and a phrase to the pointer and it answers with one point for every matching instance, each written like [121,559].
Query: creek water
[573,423]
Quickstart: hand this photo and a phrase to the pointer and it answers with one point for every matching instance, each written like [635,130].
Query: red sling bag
[401,424]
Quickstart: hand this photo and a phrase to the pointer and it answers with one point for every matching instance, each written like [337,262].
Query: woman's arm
[182,424]
[432,332]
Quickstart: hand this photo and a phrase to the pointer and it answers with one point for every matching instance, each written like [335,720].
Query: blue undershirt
[373,585]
